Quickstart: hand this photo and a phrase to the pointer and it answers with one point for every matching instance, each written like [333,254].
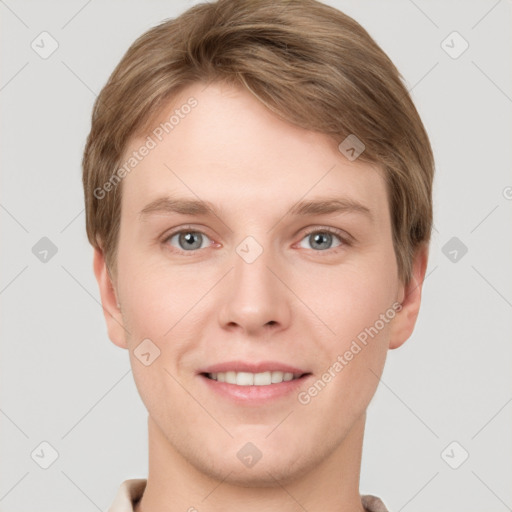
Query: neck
[174,484]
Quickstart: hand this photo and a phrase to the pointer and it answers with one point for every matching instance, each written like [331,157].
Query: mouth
[254,379]
[253,384]
[266,378]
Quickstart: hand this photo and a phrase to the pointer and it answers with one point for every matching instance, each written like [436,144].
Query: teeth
[244,379]
[253,379]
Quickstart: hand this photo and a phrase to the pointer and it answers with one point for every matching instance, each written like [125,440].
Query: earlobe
[404,322]
[111,310]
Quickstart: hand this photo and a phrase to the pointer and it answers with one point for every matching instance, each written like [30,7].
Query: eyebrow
[184,206]
[329,205]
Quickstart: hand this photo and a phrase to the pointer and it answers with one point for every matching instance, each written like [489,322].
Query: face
[252,251]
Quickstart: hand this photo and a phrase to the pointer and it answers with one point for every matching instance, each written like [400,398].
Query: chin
[272,469]
[269,474]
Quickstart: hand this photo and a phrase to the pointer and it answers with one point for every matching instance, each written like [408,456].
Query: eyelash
[341,235]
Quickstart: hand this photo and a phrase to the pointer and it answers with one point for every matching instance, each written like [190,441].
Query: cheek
[351,296]
[356,302]
[156,305]
[366,308]
[353,365]
[155,297]
[161,304]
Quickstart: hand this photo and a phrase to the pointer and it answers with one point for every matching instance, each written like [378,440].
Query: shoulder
[373,504]
[129,492]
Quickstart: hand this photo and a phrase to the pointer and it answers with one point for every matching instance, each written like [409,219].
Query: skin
[295,303]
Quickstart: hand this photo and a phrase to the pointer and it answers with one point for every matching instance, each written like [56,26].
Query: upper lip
[251,367]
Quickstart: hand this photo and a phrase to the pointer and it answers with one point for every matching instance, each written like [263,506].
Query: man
[258,188]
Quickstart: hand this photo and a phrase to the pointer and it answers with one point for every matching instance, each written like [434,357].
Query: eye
[188,240]
[322,239]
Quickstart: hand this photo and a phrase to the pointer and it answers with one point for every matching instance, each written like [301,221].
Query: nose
[255,302]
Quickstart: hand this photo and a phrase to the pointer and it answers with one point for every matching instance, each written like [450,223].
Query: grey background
[64,382]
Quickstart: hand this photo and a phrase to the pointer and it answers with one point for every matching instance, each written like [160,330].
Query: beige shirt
[131,491]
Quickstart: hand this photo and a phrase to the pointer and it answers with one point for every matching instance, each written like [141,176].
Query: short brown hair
[309,63]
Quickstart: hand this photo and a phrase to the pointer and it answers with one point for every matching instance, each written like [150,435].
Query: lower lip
[254,395]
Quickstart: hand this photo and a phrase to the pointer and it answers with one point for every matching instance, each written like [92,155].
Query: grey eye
[189,240]
[321,240]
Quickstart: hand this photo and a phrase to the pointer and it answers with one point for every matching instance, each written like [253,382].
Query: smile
[253,379]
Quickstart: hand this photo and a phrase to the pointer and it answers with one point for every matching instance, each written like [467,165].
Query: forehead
[230,149]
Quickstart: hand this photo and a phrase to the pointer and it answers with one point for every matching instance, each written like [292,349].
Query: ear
[111,310]
[402,325]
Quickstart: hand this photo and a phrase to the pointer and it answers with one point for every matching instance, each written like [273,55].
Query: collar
[131,491]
